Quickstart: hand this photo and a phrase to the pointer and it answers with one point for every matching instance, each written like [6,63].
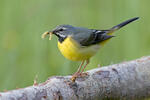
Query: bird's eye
[61,29]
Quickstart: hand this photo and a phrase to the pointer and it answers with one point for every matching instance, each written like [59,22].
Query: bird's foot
[83,74]
[74,76]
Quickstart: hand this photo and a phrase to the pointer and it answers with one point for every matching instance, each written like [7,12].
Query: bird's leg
[87,62]
[78,72]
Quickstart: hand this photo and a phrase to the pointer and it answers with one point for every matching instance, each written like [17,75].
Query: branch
[125,81]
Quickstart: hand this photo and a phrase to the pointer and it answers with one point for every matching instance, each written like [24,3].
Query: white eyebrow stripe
[61,35]
[64,28]
[98,31]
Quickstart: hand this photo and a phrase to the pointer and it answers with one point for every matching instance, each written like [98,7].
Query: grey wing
[96,37]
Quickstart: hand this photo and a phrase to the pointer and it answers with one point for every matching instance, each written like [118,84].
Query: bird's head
[80,34]
[61,31]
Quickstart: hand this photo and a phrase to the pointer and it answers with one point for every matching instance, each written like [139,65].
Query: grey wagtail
[80,44]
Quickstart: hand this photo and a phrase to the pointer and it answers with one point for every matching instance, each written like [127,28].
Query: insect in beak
[46,33]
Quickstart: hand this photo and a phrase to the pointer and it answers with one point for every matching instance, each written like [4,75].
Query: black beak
[55,31]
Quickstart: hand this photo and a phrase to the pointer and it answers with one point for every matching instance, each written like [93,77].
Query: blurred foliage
[23,54]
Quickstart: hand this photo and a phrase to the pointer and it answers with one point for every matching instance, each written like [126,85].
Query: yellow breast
[74,51]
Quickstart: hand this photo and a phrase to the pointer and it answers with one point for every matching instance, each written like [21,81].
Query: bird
[80,43]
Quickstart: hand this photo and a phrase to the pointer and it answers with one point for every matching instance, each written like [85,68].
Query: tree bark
[124,81]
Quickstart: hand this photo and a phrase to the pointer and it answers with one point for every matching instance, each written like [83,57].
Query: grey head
[62,31]
[79,34]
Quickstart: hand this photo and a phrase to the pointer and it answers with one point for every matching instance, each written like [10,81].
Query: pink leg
[87,62]
[78,71]
[80,67]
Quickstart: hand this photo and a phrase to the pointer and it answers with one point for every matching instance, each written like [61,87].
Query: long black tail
[122,24]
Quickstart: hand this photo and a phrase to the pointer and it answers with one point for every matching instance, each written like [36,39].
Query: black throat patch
[61,39]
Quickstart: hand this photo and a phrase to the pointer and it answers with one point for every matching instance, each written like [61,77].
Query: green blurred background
[23,54]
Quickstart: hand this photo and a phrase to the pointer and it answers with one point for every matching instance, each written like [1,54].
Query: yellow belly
[74,51]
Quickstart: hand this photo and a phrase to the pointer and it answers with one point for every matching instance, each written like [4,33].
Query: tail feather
[122,24]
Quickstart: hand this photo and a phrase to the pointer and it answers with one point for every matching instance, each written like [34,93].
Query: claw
[83,74]
[73,78]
